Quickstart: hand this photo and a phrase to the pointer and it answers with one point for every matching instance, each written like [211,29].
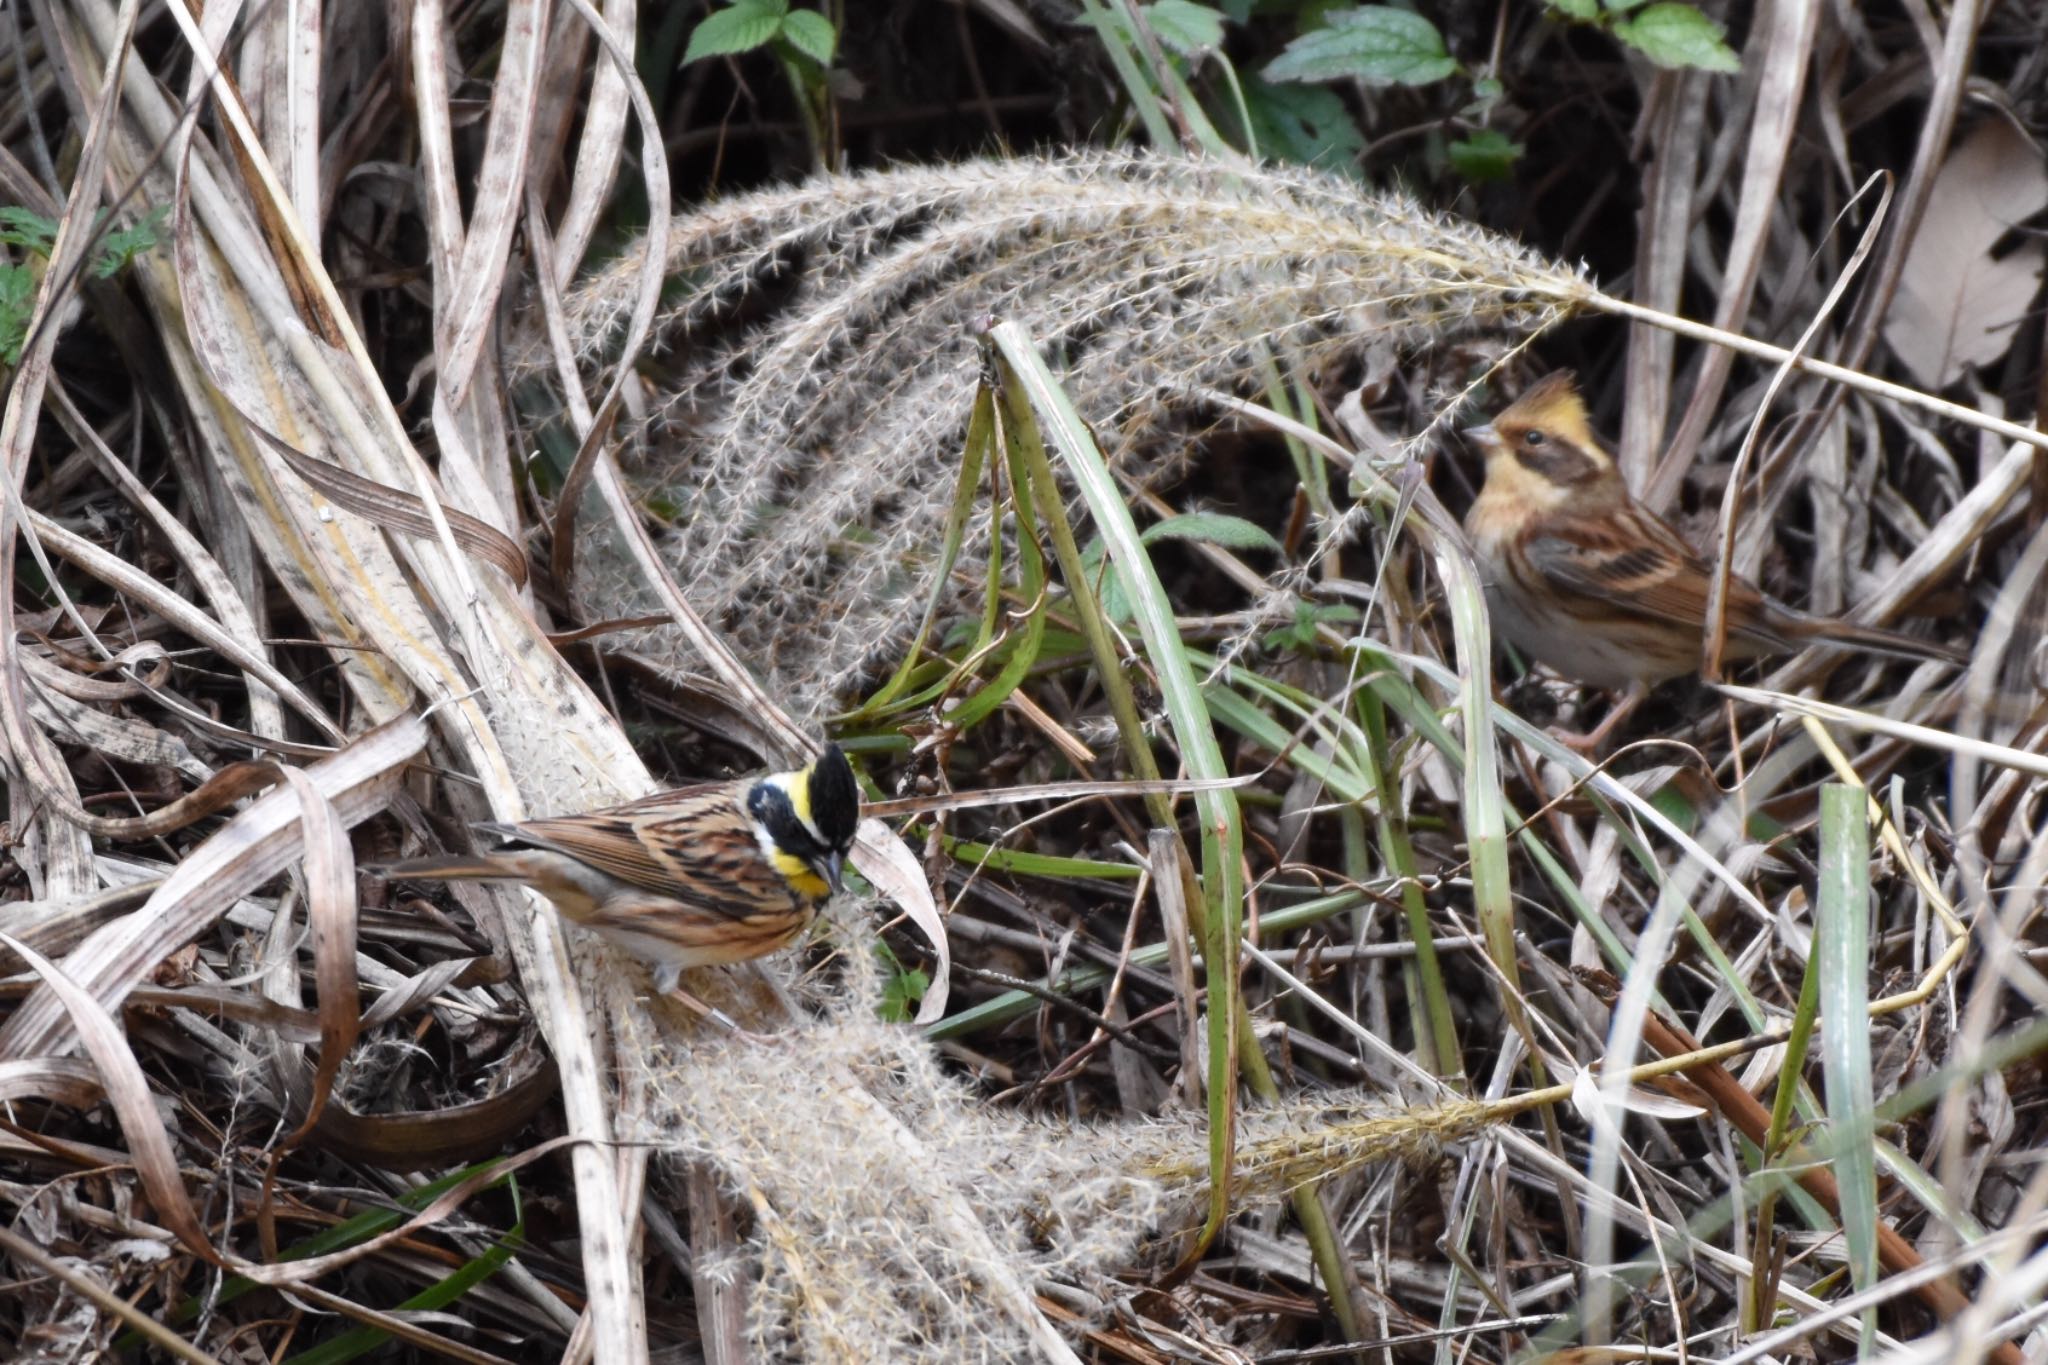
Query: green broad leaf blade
[742,28]
[351,1232]
[966,492]
[1374,43]
[1484,156]
[1676,35]
[812,34]
[1185,27]
[1215,528]
[1306,124]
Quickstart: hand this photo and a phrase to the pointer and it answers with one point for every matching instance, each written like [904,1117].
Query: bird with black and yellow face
[1583,578]
[714,873]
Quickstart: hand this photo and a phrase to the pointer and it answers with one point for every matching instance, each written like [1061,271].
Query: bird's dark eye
[1533,439]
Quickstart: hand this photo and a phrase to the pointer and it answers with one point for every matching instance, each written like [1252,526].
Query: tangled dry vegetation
[379,464]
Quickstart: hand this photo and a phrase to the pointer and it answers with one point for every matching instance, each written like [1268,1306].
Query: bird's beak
[835,867]
[1481,437]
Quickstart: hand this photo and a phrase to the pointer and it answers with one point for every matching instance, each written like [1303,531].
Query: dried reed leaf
[1958,304]
[249,850]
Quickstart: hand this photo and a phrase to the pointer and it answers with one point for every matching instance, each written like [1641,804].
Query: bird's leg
[1589,743]
[668,983]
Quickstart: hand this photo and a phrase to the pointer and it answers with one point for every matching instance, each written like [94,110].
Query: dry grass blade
[128,1090]
[1787,47]
[255,846]
[86,1287]
[34,758]
[329,868]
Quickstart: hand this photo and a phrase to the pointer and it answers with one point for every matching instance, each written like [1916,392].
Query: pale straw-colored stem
[1778,355]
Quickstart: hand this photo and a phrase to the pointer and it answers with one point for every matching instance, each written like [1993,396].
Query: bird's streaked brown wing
[1637,566]
[695,844]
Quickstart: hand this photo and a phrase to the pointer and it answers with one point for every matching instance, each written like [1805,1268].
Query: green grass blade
[974,454]
[1041,398]
[1842,947]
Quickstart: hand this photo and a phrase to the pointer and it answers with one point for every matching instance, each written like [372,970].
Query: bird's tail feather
[1896,643]
[447,867]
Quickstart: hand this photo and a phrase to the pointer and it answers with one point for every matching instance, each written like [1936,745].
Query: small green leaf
[812,34]
[121,247]
[17,302]
[1216,528]
[728,32]
[1301,634]
[1486,155]
[1302,123]
[903,989]
[1671,34]
[1373,43]
[1487,88]
[19,227]
[1184,26]
[1583,10]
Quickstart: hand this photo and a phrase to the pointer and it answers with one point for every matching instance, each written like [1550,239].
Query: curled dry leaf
[1958,304]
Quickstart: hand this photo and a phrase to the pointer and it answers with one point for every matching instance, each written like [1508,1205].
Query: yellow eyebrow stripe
[799,788]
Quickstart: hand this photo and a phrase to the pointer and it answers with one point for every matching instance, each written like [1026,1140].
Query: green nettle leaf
[728,32]
[1374,43]
[812,34]
[1671,34]
[1233,533]
[1184,26]
[1486,155]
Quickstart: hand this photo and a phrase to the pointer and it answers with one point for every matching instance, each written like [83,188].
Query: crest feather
[1551,405]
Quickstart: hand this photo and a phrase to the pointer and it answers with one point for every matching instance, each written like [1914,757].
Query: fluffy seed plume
[850,1147]
[822,357]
